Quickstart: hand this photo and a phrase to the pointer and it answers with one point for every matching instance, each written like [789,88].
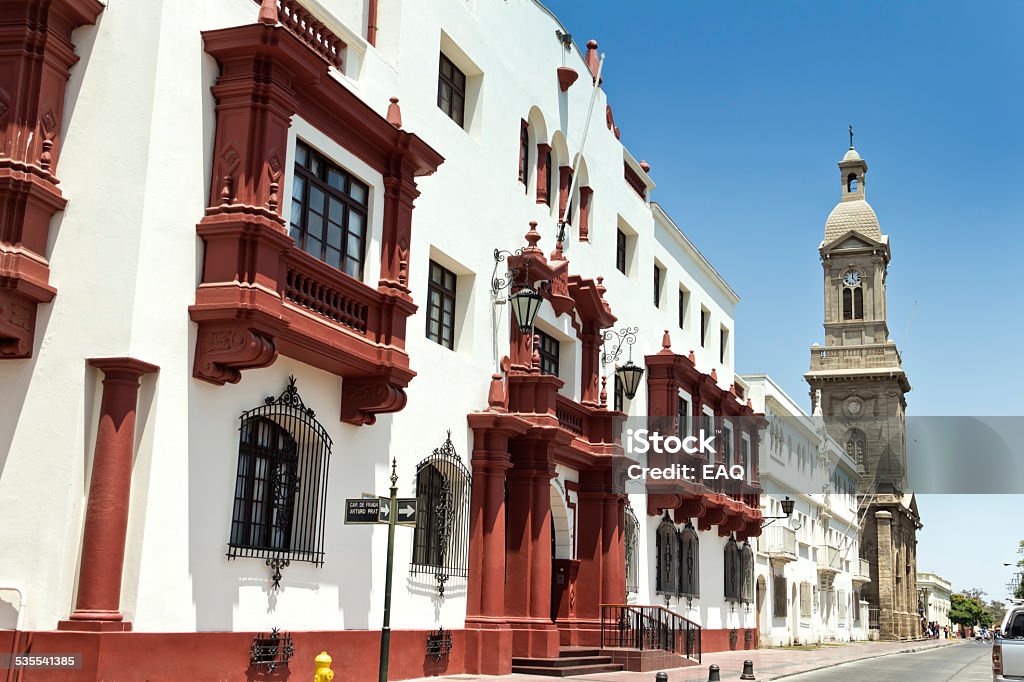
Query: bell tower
[859,372]
[859,387]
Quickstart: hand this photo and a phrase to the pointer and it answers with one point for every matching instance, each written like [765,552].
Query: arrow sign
[406,511]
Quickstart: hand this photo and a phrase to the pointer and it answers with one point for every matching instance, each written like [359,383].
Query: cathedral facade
[858,383]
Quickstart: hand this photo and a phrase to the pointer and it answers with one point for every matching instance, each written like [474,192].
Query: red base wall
[224,656]
[718,640]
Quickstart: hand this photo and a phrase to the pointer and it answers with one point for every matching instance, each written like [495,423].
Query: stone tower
[858,384]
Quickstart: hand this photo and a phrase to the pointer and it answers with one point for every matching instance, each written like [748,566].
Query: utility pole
[385,632]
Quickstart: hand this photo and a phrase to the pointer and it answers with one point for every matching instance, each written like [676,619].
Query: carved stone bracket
[363,399]
[224,350]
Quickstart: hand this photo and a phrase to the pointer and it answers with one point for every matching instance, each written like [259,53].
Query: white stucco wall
[125,257]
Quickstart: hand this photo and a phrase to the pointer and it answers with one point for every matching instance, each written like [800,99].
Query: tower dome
[853,212]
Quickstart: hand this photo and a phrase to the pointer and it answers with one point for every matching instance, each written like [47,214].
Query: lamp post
[628,374]
[787,510]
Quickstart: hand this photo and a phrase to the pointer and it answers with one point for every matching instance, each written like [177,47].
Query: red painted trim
[260,295]
[566,77]
[224,656]
[371,23]
[543,149]
[584,228]
[106,518]
[36,55]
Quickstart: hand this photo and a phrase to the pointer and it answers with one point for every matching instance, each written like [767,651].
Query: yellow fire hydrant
[323,668]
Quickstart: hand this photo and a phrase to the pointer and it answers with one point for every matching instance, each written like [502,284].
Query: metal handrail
[648,627]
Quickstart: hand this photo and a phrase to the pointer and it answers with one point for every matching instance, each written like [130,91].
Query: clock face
[852,278]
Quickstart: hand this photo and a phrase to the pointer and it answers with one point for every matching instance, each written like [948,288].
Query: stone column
[613,583]
[886,576]
[106,519]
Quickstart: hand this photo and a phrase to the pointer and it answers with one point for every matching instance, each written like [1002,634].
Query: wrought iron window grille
[441,537]
[439,644]
[270,651]
[281,485]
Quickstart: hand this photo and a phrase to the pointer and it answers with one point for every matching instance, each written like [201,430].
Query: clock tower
[859,386]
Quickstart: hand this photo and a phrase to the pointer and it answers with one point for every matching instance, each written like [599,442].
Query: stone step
[572,651]
[563,662]
[569,671]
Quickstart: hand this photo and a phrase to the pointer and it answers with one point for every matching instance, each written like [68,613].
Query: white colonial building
[808,571]
[935,593]
[253,253]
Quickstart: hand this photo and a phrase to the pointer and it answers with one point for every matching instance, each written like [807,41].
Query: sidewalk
[769,664]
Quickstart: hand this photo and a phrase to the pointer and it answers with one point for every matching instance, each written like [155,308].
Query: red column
[519,543]
[613,587]
[540,557]
[106,518]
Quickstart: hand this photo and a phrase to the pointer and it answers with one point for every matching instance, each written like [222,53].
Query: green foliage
[1019,593]
[969,611]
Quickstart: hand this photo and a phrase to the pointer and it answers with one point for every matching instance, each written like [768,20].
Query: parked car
[1008,650]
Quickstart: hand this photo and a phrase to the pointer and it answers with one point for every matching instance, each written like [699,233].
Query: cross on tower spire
[851,136]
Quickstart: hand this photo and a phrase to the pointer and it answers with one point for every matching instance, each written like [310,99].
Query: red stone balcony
[260,295]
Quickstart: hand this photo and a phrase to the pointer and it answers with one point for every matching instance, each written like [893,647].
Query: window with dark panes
[524,156]
[620,251]
[441,306]
[548,351]
[620,395]
[682,309]
[682,417]
[329,209]
[657,286]
[705,318]
[723,344]
[451,91]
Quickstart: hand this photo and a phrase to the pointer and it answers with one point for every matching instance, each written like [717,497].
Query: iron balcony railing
[632,626]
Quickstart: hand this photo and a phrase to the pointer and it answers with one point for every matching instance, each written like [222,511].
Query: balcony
[862,572]
[779,543]
[261,296]
[830,559]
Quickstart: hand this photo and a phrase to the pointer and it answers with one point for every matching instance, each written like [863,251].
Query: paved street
[930,661]
[967,662]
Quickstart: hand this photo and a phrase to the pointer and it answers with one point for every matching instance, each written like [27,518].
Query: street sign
[363,510]
[406,510]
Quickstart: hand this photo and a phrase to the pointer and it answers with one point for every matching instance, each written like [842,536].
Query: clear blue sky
[742,111]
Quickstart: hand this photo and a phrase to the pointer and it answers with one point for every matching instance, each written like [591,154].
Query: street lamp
[628,374]
[526,301]
[787,510]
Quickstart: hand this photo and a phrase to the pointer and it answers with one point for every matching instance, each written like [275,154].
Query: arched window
[524,155]
[858,303]
[667,542]
[733,570]
[281,483]
[632,538]
[855,444]
[441,537]
[847,303]
[747,588]
[851,182]
[264,487]
[689,562]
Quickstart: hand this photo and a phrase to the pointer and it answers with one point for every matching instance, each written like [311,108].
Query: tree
[1018,592]
[996,610]
[968,611]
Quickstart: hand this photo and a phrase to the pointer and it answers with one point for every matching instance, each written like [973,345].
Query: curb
[913,650]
